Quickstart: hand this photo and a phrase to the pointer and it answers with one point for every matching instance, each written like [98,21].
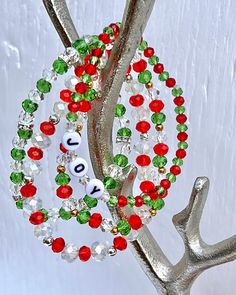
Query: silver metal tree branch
[167,278]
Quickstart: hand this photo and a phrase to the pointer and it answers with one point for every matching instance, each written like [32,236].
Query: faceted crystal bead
[84,180]
[114,171]
[99,251]
[18,142]
[132,236]
[35,96]
[124,122]
[161,137]
[141,113]
[134,87]
[70,56]
[16,166]
[144,213]
[153,93]
[53,214]
[60,109]
[43,231]
[142,147]
[107,225]
[105,196]
[137,57]
[69,204]
[31,205]
[25,119]
[40,140]
[31,168]
[49,75]
[70,253]
[147,173]
[70,82]
[15,189]
[62,159]
[81,205]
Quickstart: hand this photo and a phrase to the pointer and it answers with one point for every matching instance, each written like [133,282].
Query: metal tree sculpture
[199,256]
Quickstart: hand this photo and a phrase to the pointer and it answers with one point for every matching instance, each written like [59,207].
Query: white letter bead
[78,167]
[94,188]
[71,140]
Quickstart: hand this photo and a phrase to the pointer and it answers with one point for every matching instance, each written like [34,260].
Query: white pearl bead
[94,188]
[78,167]
[70,82]
[71,140]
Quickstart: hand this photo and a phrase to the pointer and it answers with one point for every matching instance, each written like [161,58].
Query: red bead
[140,66]
[95,220]
[79,70]
[158,68]
[165,183]
[120,243]
[156,105]
[175,170]
[64,191]
[181,153]
[182,136]
[147,186]
[84,253]
[35,153]
[37,218]
[97,52]
[163,196]
[58,245]
[87,59]
[136,100]
[181,118]
[105,38]
[148,52]
[81,87]
[73,107]
[65,95]
[115,29]
[63,150]
[143,126]
[139,201]
[28,190]
[47,128]
[170,82]
[161,149]
[84,106]
[143,160]
[90,69]
[179,100]
[135,222]
[122,201]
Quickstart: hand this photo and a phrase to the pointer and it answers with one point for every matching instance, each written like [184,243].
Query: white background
[196,41]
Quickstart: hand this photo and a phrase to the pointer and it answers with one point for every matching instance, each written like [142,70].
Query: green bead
[180,109]
[60,66]
[93,60]
[171,177]
[183,145]
[109,182]
[86,78]
[19,204]
[83,216]
[109,31]
[29,106]
[145,77]
[120,110]
[43,86]
[45,212]
[121,160]
[90,95]
[159,161]
[157,204]
[131,201]
[124,132]
[25,133]
[158,118]
[65,215]
[146,199]
[17,177]
[62,179]
[178,162]
[76,96]
[182,127]
[143,45]
[163,76]
[177,92]
[113,201]
[161,191]
[81,46]
[123,227]
[72,117]
[18,155]
[153,60]
[90,202]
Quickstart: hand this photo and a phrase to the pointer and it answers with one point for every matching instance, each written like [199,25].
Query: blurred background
[196,42]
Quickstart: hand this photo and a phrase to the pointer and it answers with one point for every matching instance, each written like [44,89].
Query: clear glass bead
[153,93]
[81,205]
[142,147]
[105,196]
[54,118]
[70,56]
[132,236]
[40,140]
[53,214]
[62,159]
[49,75]
[114,171]
[25,119]
[69,204]
[133,87]
[84,180]
[124,122]
[161,137]
[107,225]
[70,253]
[60,109]
[43,231]
[18,142]
[70,82]
[16,166]
[99,251]
[15,189]
[137,56]
[31,168]
[35,95]
[31,205]
[147,173]
[144,213]
[141,113]
[71,126]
